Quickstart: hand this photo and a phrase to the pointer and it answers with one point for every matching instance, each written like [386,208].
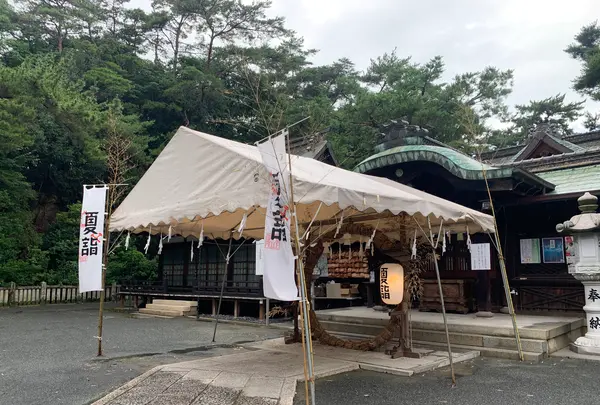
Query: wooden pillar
[122,299]
[261,310]
[268,309]
[236,308]
[136,303]
[214,307]
[483,294]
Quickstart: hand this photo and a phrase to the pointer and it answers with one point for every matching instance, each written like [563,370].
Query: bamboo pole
[505,282]
[304,314]
[106,243]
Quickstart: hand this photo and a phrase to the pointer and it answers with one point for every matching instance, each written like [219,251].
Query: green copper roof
[455,162]
[575,180]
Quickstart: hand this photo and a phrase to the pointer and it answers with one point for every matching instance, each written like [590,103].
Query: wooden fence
[51,294]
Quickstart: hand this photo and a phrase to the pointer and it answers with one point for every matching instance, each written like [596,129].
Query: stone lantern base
[584,345]
[590,343]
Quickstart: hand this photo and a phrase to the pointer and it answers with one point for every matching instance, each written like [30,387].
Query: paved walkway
[264,373]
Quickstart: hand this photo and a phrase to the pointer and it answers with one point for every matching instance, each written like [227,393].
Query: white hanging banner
[278,260]
[91,239]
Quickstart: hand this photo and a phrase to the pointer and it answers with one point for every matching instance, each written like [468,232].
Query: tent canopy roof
[200,180]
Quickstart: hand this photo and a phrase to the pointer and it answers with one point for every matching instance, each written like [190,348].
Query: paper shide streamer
[413,254]
[148,241]
[339,225]
[201,236]
[160,244]
[468,239]
[127,240]
[243,223]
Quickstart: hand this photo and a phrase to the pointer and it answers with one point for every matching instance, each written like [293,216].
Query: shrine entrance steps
[170,308]
[492,337]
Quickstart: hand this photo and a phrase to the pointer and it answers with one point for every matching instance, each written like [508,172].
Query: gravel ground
[47,354]
[481,381]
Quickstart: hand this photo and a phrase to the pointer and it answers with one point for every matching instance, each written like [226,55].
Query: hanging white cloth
[170,232]
[127,240]
[192,251]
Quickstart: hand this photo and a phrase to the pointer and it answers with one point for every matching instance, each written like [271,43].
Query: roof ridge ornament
[545,128]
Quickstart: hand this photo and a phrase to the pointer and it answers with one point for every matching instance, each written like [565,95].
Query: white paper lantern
[391,283]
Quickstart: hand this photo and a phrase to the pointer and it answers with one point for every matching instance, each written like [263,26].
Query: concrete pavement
[48,353]
[259,373]
[553,381]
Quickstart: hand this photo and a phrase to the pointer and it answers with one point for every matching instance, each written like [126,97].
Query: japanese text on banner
[91,239]
[278,260]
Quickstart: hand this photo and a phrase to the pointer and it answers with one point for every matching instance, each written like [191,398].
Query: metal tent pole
[439,282]
[223,285]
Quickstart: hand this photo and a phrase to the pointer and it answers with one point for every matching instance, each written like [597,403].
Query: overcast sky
[528,36]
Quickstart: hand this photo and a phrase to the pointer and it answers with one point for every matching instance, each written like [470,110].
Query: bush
[128,265]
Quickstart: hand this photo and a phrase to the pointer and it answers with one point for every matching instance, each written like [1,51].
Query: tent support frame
[227,258]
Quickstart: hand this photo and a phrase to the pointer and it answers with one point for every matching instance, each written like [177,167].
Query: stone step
[175,302]
[161,312]
[170,307]
[544,332]
[485,351]
[467,339]
[479,341]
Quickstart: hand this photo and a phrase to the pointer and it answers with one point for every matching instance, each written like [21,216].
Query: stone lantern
[584,264]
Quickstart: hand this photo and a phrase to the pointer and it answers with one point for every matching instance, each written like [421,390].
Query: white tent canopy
[203,180]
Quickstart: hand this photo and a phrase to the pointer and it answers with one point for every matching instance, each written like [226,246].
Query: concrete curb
[126,387]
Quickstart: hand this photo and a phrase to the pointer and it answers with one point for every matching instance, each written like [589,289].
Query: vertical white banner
[278,259]
[91,239]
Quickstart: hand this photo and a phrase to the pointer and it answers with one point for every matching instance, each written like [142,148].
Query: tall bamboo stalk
[304,314]
[505,282]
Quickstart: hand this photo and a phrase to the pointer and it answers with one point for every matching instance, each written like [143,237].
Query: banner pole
[105,246]
[304,310]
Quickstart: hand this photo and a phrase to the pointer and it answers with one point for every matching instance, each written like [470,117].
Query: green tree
[552,110]
[586,49]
